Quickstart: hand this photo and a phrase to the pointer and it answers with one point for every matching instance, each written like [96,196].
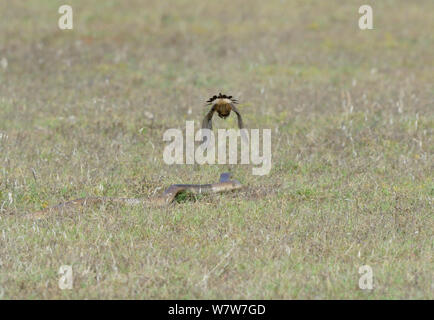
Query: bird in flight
[223,105]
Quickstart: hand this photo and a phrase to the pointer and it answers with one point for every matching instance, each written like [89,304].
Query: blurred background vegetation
[83,112]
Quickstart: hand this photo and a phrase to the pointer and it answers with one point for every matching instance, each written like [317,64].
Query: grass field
[352,122]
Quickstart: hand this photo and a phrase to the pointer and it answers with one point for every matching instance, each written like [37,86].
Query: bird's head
[221,99]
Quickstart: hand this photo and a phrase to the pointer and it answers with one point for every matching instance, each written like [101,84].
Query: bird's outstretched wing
[207,121]
[207,124]
[240,124]
[240,120]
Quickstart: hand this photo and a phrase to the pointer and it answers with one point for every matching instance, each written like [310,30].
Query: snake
[225,184]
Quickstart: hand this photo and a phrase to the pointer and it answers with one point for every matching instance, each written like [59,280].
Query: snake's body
[168,196]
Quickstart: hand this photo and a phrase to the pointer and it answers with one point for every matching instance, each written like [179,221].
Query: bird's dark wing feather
[244,135]
[240,120]
[207,121]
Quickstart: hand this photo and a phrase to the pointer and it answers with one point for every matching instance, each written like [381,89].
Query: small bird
[223,105]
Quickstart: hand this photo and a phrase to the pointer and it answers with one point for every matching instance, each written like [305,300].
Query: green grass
[352,120]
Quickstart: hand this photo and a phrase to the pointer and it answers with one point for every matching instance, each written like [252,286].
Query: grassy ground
[352,118]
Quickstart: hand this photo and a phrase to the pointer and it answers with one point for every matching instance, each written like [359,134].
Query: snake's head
[225,176]
[236,184]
